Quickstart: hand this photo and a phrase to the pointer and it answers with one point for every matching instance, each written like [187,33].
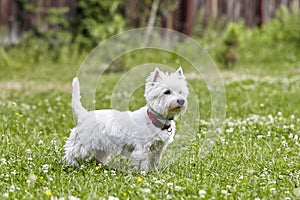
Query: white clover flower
[146,190]
[74,198]
[273,190]
[250,171]
[230,130]
[3,161]
[113,198]
[224,191]
[113,173]
[178,187]
[230,124]
[285,127]
[281,176]
[14,172]
[202,192]
[297,192]
[28,151]
[228,187]
[284,143]
[259,136]
[143,173]
[222,139]
[12,188]
[55,198]
[45,168]
[5,195]
[170,184]
[41,142]
[292,126]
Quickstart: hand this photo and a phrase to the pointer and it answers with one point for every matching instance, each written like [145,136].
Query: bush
[226,53]
[276,41]
[97,20]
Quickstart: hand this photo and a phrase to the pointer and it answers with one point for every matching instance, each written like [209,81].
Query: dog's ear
[180,72]
[156,74]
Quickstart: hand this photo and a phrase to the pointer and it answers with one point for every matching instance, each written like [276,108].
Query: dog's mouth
[176,110]
[177,107]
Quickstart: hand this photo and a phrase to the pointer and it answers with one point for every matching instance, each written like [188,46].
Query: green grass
[256,155]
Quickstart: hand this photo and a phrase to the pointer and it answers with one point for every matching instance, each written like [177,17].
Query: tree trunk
[151,20]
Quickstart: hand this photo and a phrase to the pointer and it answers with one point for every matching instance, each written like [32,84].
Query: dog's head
[166,93]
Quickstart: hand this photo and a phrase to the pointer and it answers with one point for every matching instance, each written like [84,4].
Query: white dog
[142,135]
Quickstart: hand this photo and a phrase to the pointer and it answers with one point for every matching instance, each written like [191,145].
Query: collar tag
[169,130]
[157,121]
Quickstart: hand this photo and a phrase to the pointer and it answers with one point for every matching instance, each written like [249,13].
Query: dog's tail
[78,109]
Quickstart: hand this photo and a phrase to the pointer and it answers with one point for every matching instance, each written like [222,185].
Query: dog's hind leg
[102,156]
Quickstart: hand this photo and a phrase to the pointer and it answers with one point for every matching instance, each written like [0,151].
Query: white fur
[101,133]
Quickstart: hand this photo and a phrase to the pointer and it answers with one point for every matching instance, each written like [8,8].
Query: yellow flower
[47,192]
[262,105]
[124,194]
[139,180]
[14,103]
[97,168]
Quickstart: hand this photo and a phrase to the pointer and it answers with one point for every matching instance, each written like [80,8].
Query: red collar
[156,122]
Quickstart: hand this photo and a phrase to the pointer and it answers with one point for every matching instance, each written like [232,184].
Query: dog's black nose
[180,101]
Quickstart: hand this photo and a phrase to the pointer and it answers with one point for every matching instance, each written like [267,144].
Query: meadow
[255,156]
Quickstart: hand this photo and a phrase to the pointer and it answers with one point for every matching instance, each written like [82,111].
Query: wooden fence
[15,19]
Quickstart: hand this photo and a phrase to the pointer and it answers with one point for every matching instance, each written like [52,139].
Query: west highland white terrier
[141,135]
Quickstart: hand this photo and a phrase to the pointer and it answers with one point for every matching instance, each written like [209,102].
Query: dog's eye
[180,92]
[167,92]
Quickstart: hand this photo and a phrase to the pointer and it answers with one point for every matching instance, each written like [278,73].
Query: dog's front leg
[140,160]
[156,157]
